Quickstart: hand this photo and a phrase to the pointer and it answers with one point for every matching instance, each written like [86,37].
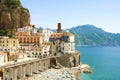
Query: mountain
[89,35]
[12,16]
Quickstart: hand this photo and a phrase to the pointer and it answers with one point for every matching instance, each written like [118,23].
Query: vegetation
[92,36]
[24,9]
[7,32]
[11,2]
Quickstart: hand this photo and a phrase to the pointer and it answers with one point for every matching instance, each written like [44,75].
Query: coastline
[62,73]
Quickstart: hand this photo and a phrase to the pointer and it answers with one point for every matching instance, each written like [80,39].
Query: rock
[85,68]
[13,15]
[57,67]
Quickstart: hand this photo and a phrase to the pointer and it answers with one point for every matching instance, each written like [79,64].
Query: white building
[46,48]
[47,33]
[22,54]
[68,47]
[3,57]
[36,52]
[68,44]
[31,29]
[24,29]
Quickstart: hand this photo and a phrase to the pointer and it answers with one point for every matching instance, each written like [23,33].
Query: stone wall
[65,61]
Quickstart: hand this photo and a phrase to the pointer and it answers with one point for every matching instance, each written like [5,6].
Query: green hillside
[92,36]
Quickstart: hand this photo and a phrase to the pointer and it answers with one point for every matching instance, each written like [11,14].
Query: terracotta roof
[68,34]
[56,35]
[46,43]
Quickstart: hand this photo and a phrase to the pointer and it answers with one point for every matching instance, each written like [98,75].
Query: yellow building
[9,44]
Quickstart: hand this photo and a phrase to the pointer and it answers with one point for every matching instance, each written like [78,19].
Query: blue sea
[105,62]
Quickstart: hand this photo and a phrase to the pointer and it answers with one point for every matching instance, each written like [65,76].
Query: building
[29,35]
[47,33]
[62,42]
[21,54]
[3,57]
[26,37]
[55,36]
[68,44]
[35,44]
[36,52]
[46,46]
[10,45]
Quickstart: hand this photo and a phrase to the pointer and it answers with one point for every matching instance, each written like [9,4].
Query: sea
[105,62]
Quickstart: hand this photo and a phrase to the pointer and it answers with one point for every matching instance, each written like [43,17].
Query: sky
[103,14]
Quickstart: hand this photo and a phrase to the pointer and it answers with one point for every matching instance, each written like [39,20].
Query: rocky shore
[62,74]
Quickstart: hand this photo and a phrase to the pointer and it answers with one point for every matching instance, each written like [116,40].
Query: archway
[72,61]
[52,62]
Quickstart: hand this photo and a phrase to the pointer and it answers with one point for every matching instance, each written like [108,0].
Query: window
[5,49]
[33,53]
[1,49]
[13,44]
[36,53]
[13,41]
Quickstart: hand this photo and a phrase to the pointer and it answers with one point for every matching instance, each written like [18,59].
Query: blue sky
[101,13]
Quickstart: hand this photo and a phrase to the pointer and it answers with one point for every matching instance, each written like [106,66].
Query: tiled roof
[67,34]
[56,35]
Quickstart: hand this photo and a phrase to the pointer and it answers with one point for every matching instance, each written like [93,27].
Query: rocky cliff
[13,15]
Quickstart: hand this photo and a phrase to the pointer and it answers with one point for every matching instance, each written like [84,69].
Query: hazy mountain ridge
[92,36]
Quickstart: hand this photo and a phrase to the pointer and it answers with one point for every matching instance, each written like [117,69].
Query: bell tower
[59,30]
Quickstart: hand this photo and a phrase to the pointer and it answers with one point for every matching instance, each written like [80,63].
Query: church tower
[59,30]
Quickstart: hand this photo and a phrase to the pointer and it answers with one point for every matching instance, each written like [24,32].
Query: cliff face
[13,15]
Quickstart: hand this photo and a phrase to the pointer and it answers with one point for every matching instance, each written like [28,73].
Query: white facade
[47,34]
[36,52]
[68,47]
[23,55]
[3,58]
[46,49]
[24,29]
[27,28]
[33,30]
[71,38]
[9,49]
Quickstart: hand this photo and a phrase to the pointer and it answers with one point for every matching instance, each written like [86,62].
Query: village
[32,51]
